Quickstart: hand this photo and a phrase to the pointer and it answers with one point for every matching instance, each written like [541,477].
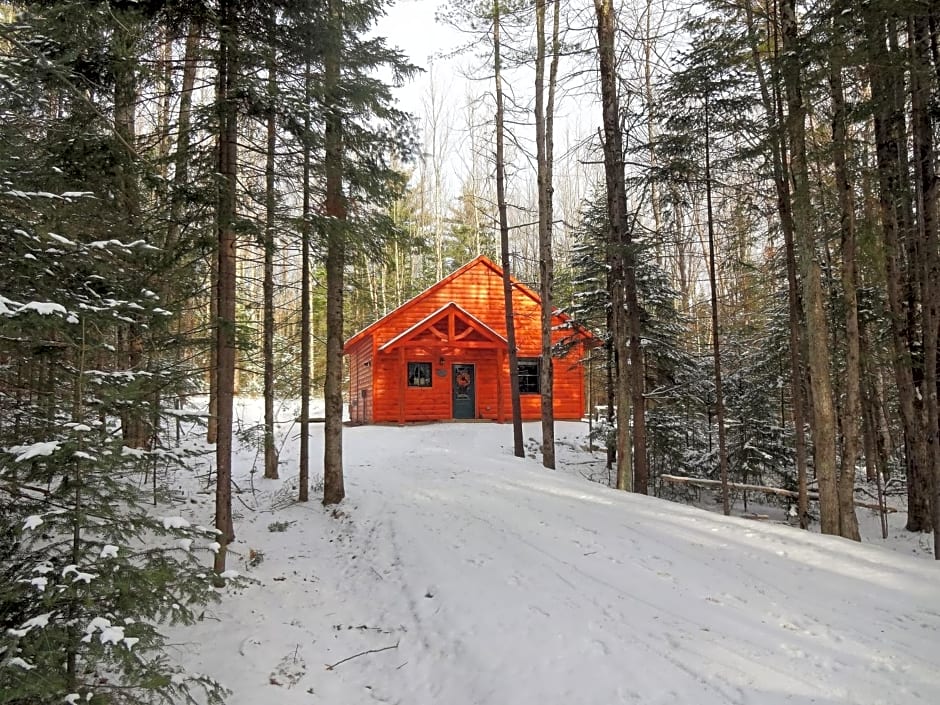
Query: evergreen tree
[89,573]
[669,369]
[357,139]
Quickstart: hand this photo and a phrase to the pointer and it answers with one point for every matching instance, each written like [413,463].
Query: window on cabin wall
[529,375]
[419,374]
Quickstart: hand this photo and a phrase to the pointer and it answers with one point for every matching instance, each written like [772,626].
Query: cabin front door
[464,386]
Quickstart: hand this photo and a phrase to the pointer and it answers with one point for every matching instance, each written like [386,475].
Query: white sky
[411,27]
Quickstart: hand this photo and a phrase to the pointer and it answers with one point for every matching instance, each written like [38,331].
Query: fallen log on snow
[680,480]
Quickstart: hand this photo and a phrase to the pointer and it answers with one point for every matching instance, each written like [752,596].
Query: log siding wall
[377,379]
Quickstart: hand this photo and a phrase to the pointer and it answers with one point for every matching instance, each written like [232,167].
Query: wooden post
[500,362]
[402,385]
[590,400]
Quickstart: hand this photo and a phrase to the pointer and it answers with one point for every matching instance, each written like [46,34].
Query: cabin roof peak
[451,307]
[476,261]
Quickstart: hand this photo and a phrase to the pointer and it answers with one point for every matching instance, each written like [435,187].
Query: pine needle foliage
[90,573]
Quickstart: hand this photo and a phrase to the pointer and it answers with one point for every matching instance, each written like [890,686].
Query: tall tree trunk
[181,160]
[848,522]
[651,130]
[225,324]
[869,443]
[925,177]
[270,237]
[872,396]
[637,370]
[305,234]
[823,426]
[212,425]
[876,449]
[622,274]
[183,135]
[517,442]
[333,486]
[165,81]
[544,149]
[716,345]
[919,494]
[611,388]
[773,109]
[618,372]
[890,144]
[437,133]
[135,425]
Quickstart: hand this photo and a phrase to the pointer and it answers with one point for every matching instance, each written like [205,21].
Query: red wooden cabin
[443,355]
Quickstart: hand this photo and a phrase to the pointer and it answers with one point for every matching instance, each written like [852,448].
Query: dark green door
[464,384]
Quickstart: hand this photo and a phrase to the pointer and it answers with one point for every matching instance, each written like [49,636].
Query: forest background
[740,197]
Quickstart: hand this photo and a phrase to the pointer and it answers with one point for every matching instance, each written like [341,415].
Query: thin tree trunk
[383,287]
[823,426]
[868,440]
[621,272]
[716,346]
[517,442]
[183,135]
[618,388]
[637,364]
[270,236]
[925,177]
[875,447]
[333,485]
[637,372]
[773,109]
[135,425]
[543,140]
[225,324]
[888,150]
[912,258]
[165,63]
[651,129]
[212,425]
[611,389]
[305,234]
[848,522]
[884,433]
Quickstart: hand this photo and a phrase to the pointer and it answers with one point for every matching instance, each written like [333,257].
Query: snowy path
[507,584]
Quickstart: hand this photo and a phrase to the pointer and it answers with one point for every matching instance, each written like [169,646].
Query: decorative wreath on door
[463,379]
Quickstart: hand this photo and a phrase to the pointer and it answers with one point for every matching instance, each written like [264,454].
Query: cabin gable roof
[473,321]
[449,325]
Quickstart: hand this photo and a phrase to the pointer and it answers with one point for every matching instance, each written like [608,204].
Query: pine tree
[359,138]
[90,574]
[669,369]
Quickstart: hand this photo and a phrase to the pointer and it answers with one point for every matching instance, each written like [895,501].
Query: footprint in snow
[538,610]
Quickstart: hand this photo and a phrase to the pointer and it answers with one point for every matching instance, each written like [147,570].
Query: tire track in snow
[573,599]
[424,644]
[618,616]
[834,641]
[511,540]
[757,655]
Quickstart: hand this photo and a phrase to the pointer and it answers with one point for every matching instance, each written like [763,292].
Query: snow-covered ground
[456,574]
